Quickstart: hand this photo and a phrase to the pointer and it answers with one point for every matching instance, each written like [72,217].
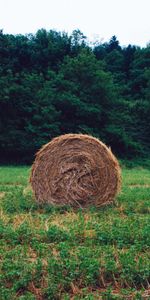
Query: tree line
[53,83]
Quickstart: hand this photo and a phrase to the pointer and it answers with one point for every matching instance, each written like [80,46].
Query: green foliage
[56,234]
[52,83]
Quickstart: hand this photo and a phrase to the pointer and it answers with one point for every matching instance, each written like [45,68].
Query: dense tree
[84,94]
[52,83]
[28,119]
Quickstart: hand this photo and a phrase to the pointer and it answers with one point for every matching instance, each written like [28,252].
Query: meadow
[53,253]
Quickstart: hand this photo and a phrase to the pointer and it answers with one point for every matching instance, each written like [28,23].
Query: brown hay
[75,169]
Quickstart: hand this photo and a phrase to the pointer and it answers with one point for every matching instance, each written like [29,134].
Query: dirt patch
[2,194]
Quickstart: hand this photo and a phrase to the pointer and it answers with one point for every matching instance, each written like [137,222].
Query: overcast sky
[129,20]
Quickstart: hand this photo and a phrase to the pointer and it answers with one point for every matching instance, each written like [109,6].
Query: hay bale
[75,169]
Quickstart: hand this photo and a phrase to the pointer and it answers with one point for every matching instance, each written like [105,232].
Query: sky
[99,20]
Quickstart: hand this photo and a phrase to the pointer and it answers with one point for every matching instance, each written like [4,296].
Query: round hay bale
[75,169]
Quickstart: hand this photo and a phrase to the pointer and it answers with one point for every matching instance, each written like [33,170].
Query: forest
[53,83]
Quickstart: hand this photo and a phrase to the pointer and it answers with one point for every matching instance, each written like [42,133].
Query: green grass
[58,253]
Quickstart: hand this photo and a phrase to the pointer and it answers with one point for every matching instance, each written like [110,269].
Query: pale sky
[129,20]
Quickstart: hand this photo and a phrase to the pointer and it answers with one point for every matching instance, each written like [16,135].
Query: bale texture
[75,169]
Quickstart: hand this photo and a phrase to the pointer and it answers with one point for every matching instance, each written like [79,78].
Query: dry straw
[75,169]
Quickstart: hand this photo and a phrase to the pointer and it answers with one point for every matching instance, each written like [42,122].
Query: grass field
[58,253]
